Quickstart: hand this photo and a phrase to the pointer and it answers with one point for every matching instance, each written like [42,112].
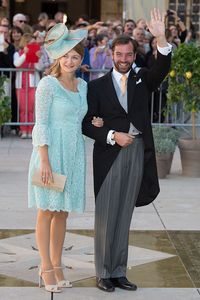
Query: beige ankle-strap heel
[63,283]
[48,287]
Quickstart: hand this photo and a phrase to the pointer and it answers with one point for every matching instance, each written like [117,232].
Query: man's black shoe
[105,284]
[123,283]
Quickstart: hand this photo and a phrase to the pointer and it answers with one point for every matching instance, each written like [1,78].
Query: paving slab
[95,294]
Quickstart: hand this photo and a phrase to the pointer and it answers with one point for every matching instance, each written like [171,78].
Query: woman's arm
[45,167]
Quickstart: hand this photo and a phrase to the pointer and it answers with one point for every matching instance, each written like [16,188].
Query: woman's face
[70,62]
[103,42]
[16,35]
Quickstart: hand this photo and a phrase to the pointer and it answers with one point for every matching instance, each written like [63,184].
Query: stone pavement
[164,244]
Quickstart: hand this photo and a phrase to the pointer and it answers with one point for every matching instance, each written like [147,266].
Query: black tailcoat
[103,102]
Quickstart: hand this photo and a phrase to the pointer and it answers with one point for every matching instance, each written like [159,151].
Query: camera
[169,13]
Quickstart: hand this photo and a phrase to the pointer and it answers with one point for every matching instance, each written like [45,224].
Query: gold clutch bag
[58,183]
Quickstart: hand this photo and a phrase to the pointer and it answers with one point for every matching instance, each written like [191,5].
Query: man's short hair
[43,16]
[19,17]
[124,40]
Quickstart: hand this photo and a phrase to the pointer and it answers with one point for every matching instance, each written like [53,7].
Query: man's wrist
[110,137]
[161,41]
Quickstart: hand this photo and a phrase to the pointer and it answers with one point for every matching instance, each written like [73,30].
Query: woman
[59,147]
[16,35]
[101,56]
[26,82]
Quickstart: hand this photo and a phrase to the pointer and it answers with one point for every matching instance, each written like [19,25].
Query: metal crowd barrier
[157,101]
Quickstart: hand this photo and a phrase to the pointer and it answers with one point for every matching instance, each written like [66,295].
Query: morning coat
[103,102]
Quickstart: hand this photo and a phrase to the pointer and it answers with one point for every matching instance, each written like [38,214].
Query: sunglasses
[21,21]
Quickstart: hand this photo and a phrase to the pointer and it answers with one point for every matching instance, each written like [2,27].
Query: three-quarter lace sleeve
[41,133]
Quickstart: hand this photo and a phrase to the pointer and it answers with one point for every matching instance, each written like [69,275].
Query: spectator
[27,29]
[19,20]
[16,34]
[43,19]
[6,56]
[117,30]
[151,56]
[190,37]
[6,61]
[178,29]
[128,27]
[50,24]
[5,22]
[157,100]
[82,18]
[92,33]
[100,56]
[141,23]
[26,82]
[83,72]
[60,17]
[139,35]
[44,61]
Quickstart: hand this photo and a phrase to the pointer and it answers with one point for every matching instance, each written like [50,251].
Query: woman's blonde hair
[25,39]
[55,67]
[54,70]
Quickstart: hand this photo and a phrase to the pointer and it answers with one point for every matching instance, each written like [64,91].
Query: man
[128,27]
[7,51]
[138,35]
[19,20]
[6,61]
[125,172]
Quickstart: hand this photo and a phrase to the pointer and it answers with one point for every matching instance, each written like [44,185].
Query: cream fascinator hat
[60,40]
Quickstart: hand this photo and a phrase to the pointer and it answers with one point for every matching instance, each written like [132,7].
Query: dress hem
[59,210]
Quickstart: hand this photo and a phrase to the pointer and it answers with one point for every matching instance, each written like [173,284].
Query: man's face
[20,23]
[138,34]
[4,30]
[123,57]
[128,28]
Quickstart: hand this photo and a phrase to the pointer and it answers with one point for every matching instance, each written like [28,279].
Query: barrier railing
[157,101]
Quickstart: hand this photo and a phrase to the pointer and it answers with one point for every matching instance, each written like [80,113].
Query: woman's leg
[43,226]
[58,229]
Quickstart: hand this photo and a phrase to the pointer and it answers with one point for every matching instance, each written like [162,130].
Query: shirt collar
[117,76]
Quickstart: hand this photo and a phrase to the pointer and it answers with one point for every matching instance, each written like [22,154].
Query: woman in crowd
[100,55]
[16,35]
[26,81]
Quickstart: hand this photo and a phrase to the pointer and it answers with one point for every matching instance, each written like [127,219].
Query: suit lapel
[110,91]
[131,88]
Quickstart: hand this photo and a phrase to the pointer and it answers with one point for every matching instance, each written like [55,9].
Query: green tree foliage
[5,105]
[184,78]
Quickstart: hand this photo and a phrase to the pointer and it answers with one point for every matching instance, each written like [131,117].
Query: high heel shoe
[48,287]
[63,283]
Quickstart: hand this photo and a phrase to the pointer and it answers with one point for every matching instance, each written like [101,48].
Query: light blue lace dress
[59,114]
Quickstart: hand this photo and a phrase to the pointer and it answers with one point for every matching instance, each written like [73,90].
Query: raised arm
[157,27]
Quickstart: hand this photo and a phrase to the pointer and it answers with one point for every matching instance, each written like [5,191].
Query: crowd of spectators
[22,46]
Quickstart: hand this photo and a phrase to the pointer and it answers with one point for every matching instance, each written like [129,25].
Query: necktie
[123,84]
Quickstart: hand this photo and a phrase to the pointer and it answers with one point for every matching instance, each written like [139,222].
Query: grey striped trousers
[114,208]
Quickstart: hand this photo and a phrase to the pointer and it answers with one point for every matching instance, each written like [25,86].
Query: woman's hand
[26,49]
[46,172]
[97,122]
